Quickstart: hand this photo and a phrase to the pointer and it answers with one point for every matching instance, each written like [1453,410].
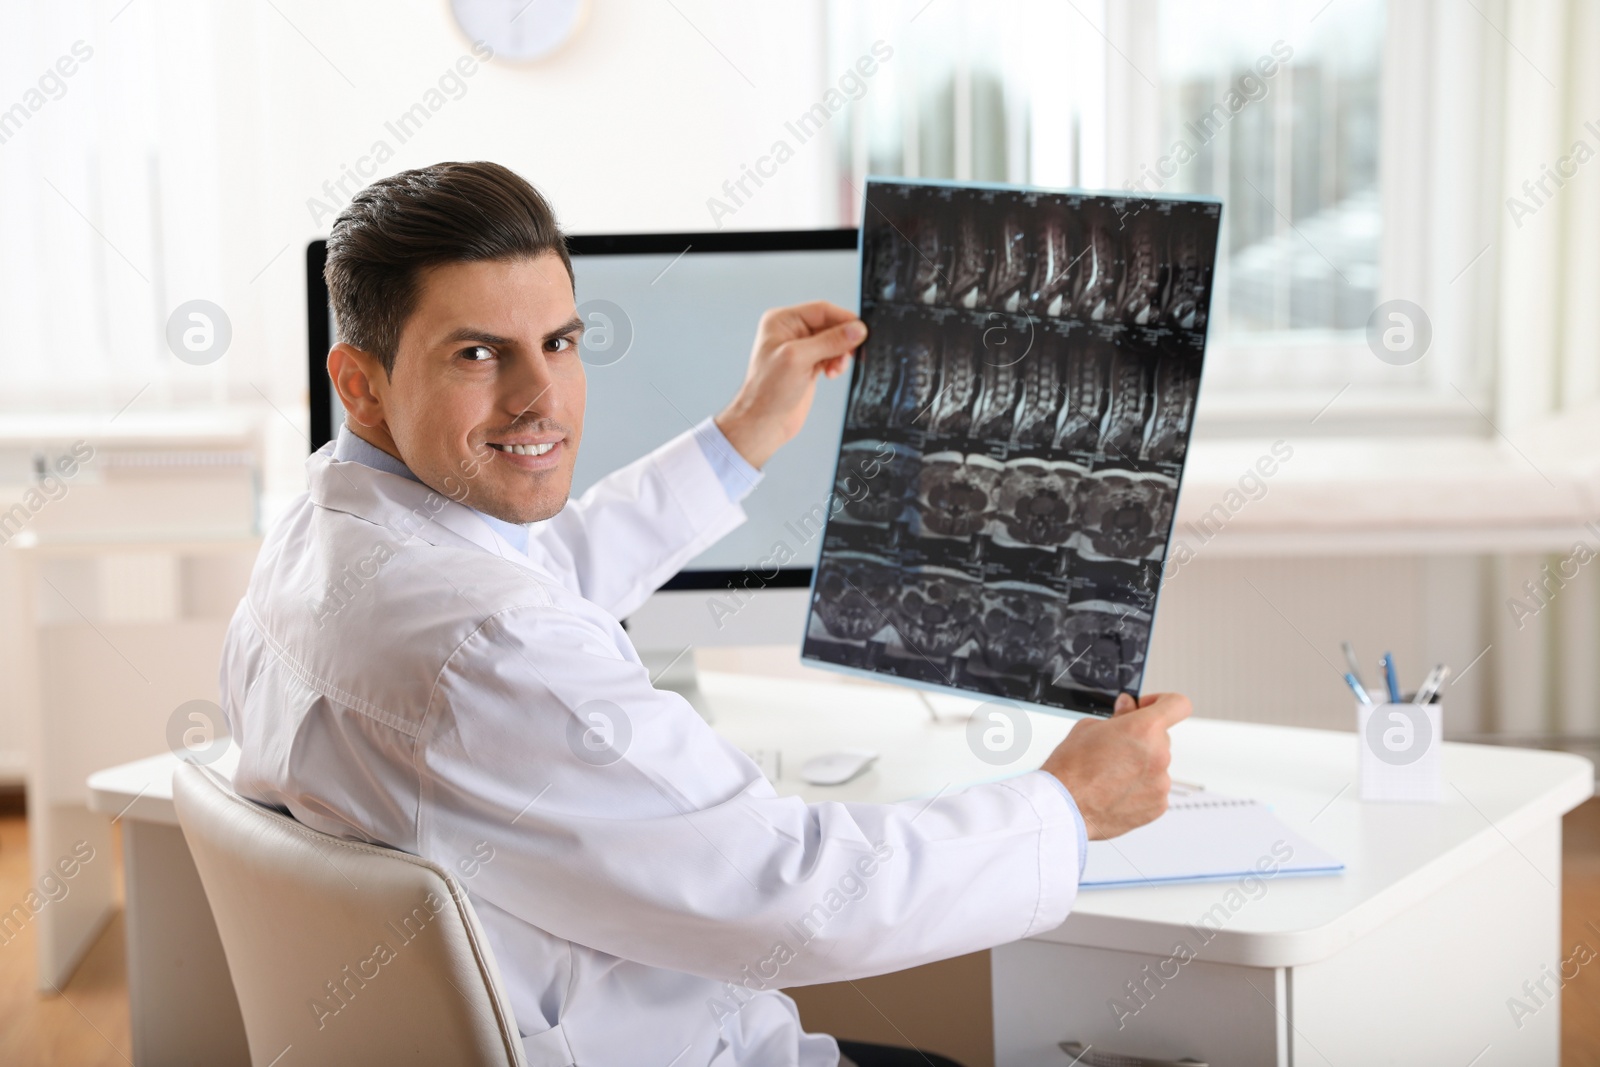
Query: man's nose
[531,390]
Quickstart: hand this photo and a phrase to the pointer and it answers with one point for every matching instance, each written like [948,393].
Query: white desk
[181,1005]
[1444,911]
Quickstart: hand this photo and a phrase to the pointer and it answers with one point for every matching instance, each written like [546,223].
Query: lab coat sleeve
[620,821]
[637,527]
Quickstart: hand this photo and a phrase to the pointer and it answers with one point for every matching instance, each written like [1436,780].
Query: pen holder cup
[1400,748]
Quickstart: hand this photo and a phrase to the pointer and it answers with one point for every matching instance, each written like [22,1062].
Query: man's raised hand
[793,346]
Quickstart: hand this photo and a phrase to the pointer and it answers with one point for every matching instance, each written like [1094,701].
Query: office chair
[347,953]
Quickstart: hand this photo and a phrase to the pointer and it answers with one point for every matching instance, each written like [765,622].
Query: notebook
[1204,837]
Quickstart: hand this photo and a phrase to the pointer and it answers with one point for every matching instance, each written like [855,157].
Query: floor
[1580,925]
[87,1024]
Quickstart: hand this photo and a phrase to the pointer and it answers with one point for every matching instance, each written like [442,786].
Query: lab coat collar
[406,506]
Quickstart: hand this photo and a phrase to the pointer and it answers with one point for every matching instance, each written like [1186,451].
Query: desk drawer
[1167,1007]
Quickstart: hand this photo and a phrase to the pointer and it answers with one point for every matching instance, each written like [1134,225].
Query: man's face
[485,403]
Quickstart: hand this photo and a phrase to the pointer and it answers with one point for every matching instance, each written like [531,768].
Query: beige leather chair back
[346,953]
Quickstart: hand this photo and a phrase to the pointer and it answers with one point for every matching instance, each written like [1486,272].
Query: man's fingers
[799,320]
[1168,709]
[828,344]
[836,366]
[1125,704]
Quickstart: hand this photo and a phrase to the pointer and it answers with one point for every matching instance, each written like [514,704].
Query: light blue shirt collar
[349,448]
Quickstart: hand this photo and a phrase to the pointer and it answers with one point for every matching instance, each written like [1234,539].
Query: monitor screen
[670,321]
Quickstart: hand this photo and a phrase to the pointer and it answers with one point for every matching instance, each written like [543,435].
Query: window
[1317,124]
[1287,135]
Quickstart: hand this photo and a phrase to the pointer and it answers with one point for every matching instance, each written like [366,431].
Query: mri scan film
[1014,440]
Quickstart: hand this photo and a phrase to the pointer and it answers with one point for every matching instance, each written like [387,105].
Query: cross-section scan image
[1014,439]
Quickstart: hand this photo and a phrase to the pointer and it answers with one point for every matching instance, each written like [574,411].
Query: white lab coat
[399,673]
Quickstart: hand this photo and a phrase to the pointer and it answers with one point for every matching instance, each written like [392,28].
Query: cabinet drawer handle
[1089,1056]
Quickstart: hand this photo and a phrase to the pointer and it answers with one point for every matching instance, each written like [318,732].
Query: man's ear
[359,379]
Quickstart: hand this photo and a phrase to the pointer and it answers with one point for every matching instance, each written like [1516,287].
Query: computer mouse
[837,768]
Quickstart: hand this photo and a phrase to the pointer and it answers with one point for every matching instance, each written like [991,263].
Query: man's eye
[561,344]
[477,354]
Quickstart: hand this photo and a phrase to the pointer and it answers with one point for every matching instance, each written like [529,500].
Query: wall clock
[519,29]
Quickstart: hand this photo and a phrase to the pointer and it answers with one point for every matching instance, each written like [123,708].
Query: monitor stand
[674,670]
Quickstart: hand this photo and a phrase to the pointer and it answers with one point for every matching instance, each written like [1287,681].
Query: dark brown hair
[398,226]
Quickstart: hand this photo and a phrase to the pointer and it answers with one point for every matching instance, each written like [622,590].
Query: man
[429,656]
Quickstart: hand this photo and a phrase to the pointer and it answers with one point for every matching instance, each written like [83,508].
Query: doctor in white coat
[429,656]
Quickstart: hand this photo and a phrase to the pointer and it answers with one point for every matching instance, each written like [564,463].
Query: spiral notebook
[1204,837]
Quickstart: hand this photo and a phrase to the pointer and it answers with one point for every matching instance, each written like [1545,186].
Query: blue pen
[1390,679]
[1356,687]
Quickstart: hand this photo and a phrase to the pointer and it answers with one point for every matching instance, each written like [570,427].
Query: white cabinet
[114,637]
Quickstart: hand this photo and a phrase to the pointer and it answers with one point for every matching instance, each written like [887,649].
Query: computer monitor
[672,317]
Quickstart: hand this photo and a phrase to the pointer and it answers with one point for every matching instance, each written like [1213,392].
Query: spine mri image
[1015,435]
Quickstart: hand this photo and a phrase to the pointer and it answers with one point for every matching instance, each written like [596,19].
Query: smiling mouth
[524,450]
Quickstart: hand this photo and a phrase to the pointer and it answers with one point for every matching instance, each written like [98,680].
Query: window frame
[1437,194]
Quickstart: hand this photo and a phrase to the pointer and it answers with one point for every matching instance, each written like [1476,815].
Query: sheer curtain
[103,174]
[1011,92]
[163,169]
